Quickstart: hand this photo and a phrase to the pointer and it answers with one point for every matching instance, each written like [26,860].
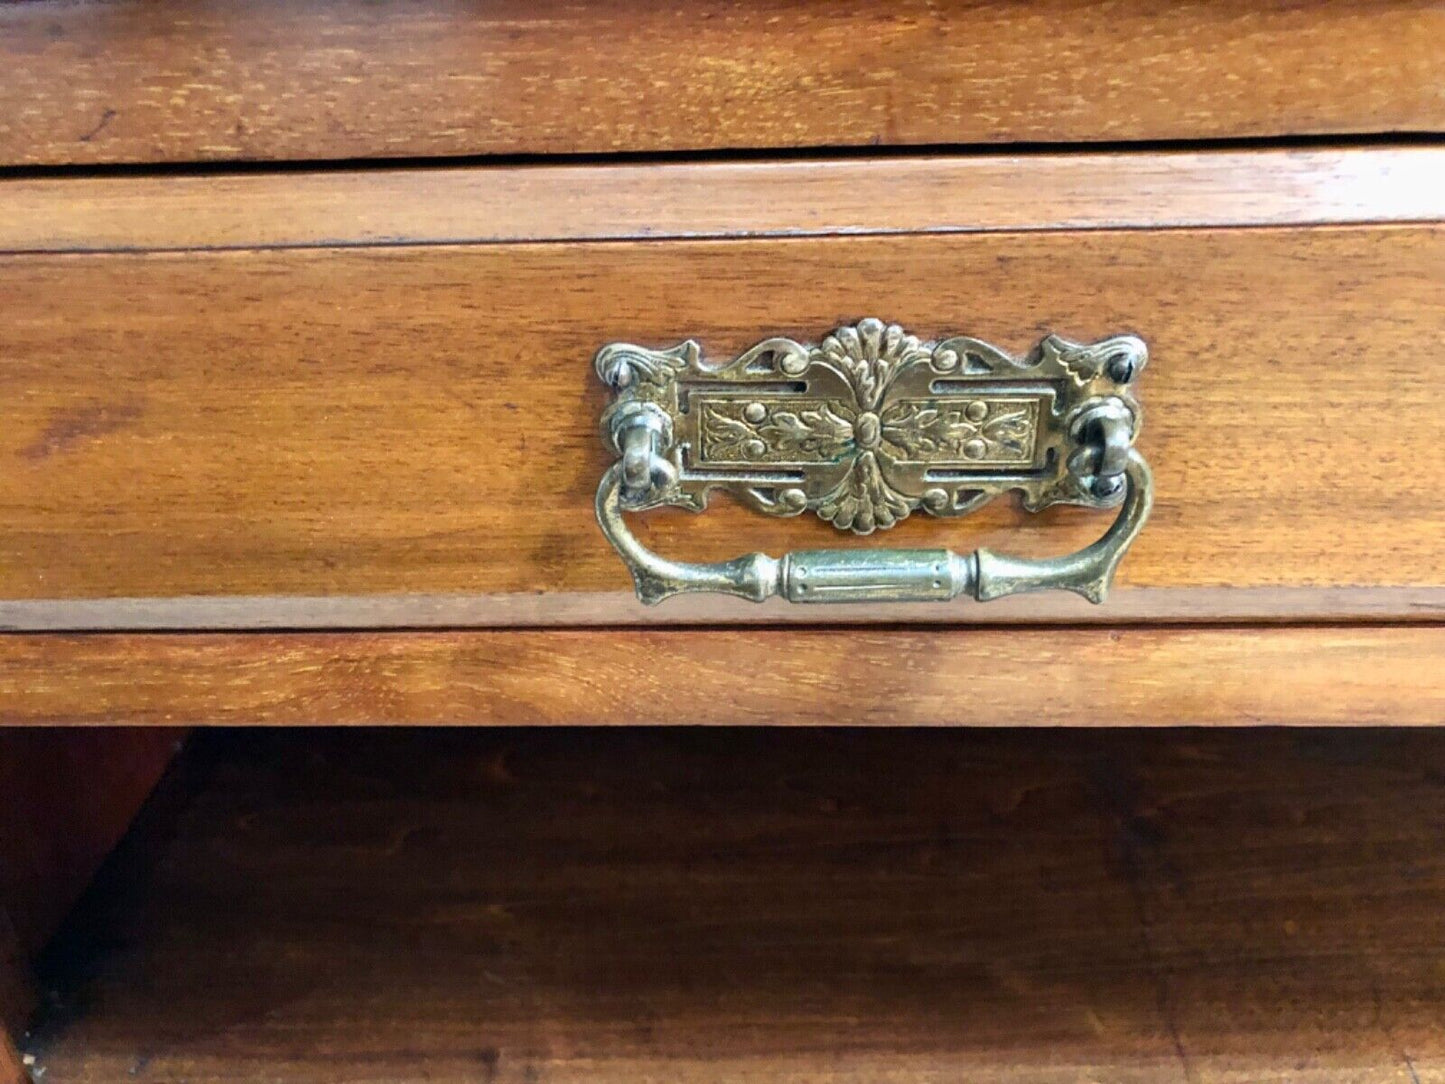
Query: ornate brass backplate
[865,428]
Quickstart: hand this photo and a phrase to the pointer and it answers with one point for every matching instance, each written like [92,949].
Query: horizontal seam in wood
[1379,139]
[1263,627]
[634,239]
[759,235]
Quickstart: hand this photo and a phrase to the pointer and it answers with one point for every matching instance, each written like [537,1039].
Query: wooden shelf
[747,905]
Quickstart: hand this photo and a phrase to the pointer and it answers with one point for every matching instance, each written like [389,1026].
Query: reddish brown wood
[492,204]
[983,677]
[342,425]
[135,81]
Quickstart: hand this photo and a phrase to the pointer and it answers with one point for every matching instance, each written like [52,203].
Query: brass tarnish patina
[864,429]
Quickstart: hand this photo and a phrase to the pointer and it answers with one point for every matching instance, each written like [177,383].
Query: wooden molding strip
[892,677]
[483,205]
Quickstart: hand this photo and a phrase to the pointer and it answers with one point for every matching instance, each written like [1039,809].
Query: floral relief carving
[871,354]
[864,500]
[871,423]
[873,430]
[758,431]
[863,428]
[976,430]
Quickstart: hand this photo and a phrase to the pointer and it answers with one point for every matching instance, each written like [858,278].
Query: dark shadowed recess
[694,905]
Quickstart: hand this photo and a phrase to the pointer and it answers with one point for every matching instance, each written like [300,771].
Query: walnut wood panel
[1011,677]
[708,907]
[363,422]
[131,81]
[720,199]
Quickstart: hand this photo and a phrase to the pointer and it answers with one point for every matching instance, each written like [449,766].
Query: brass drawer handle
[864,429]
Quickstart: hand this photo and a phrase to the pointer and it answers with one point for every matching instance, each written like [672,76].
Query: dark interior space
[586,904]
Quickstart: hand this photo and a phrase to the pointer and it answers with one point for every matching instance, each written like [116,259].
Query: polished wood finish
[895,677]
[382,421]
[957,194]
[703,907]
[130,81]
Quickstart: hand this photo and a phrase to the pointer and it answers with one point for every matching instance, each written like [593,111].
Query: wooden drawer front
[130,81]
[407,434]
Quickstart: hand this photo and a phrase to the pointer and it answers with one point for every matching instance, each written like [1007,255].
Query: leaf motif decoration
[863,501]
[870,354]
[1120,357]
[820,432]
[725,435]
[921,430]
[1012,431]
[625,365]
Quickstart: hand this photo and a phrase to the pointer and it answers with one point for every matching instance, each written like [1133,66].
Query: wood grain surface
[934,194]
[130,81]
[890,677]
[710,907]
[333,423]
